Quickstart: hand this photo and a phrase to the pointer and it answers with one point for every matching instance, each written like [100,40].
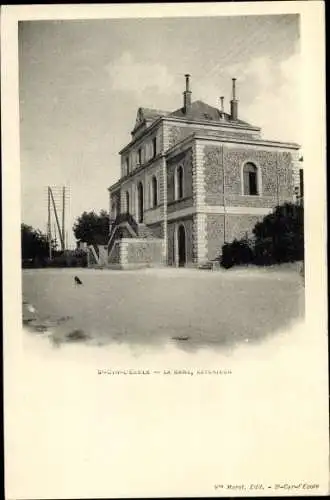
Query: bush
[236,253]
[278,238]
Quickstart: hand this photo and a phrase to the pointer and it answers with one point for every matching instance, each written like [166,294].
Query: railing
[126,217]
[123,218]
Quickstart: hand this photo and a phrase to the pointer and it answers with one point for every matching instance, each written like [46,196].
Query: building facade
[192,180]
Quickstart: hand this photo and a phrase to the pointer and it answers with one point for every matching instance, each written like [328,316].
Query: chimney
[234,102]
[222,106]
[187,96]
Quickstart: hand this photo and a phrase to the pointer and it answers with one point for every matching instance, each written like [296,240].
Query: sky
[81,83]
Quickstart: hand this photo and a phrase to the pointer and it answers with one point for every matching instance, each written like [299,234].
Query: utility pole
[49,227]
[57,199]
[63,217]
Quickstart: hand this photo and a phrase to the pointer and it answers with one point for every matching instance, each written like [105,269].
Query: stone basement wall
[114,257]
[276,170]
[141,253]
[237,226]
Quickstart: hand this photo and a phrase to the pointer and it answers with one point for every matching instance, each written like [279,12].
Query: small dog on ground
[77,281]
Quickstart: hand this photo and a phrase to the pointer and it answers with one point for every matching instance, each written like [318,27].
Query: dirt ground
[151,307]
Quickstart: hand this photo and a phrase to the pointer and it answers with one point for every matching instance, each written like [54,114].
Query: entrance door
[140,203]
[182,246]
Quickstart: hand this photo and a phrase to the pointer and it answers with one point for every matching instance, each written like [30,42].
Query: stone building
[191,180]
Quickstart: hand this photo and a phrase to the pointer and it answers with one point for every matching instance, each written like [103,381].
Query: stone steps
[144,232]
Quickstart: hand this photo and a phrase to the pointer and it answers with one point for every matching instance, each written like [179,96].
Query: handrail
[120,219]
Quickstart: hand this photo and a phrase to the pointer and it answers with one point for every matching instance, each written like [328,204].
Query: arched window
[127,202]
[250,179]
[179,183]
[140,202]
[154,192]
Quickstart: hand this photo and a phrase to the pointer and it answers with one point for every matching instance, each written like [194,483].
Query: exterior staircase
[144,232]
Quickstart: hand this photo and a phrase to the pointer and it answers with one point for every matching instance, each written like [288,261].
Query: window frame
[154,147]
[127,165]
[139,162]
[127,202]
[154,192]
[258,178]
[176,183]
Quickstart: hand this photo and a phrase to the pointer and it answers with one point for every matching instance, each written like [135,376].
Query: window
[250,179]
[140,202]
[154,192]
[127,202]
[127,166]
[154,147]
[179,183]
[139,156]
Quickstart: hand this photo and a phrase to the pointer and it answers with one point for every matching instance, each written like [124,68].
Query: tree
[34,244]
[279,237]
[92,228]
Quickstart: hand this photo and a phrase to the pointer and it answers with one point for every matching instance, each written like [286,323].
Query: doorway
[181,246]
[140,203]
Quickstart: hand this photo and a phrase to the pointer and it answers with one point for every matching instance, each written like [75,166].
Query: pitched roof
[199,110]
[147,114]
[152,114]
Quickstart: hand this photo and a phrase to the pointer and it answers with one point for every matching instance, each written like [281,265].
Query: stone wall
[144,176]
[237,226]
[144,142]
[157,230]
[175,133]
[146,252]
[275,176]
[186,160]
[180,204]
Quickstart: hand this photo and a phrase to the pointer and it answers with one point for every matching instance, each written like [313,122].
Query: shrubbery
[73,258]
[236,253]
[278,238]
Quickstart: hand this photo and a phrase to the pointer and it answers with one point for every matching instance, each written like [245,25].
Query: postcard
[164,239]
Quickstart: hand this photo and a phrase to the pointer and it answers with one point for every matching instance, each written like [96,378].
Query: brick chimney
[187,95]
[234,102]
